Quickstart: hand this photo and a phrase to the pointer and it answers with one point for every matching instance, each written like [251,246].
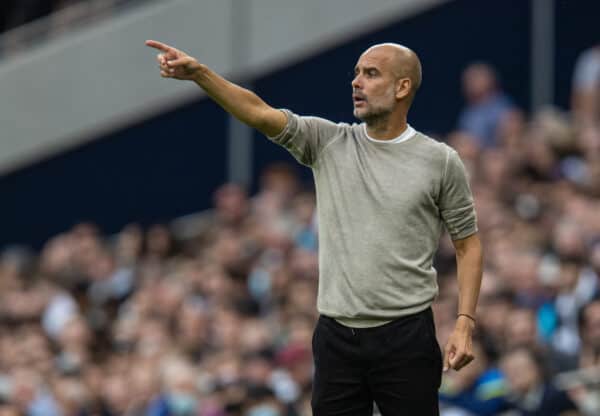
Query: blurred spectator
[528,392]
[585,95]
[486,104]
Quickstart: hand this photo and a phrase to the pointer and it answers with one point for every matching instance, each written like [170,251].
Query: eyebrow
[366,69]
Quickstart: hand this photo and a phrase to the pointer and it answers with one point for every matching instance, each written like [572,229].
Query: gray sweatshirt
[381,206]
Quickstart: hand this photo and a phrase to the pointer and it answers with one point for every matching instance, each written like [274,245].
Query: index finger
[158,45]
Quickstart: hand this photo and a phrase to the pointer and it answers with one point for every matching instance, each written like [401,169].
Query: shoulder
[436,149]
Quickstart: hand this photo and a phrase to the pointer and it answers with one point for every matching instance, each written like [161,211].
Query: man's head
[589,324]
[479,81]
[386,79]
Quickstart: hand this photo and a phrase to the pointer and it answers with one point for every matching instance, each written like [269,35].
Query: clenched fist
[175,63]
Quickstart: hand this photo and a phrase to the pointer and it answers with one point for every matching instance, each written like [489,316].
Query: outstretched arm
[240,102]
[459,349]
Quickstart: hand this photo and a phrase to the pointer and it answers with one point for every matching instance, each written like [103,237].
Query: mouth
[358,100]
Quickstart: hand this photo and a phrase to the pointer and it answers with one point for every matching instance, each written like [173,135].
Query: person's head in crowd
[226,326]
[261,401]
[37,351]
[169,294]
[180,384]
[521,329]
[479,82]
[192,327]
[523,371]
[74,342]
[231,204]
[303,206]
[521,275]
[129,244]
[258,367]
[303,263]
[299,328]
[568,241]
[26,388]
[553,127]
[255,336]
[511,131]
[540,161]
[115,392]
[154,338]
[229,251]
[70,394]
[594,257]
[301,299]
[587,142]
[280,179]
[216,286]
[495,169]
[585,93]
[589,332]
[158,242]
[143,384]
[17,266]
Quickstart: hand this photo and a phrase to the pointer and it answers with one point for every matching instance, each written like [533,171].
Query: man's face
[591,329]
[373,86]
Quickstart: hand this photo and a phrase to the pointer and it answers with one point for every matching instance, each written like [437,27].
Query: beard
[373,115]
[378,110]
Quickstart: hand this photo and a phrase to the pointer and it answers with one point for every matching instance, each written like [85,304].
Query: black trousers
[397,365]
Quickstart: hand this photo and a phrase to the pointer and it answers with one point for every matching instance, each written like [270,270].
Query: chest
[394,178]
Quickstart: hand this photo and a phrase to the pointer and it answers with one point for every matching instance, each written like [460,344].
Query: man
[487,105]
[384,192]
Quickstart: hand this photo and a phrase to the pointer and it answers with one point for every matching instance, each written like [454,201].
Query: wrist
[200,74]
[465,321]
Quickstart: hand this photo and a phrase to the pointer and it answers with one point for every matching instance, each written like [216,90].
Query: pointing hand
[175,63]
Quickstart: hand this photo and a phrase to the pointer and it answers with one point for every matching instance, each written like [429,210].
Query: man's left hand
[459,348]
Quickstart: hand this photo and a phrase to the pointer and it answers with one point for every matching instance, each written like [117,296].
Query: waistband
[426,313]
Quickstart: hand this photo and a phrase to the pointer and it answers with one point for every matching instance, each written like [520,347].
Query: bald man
[385,192]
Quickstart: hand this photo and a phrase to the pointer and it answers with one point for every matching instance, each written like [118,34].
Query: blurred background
[158,258]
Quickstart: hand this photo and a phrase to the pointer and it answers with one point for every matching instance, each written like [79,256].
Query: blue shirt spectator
[486,104]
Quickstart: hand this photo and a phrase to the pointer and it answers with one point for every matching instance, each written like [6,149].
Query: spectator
[486,104]
[585,95]
[529,393]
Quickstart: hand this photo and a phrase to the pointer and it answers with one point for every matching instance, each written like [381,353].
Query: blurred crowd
[212,314]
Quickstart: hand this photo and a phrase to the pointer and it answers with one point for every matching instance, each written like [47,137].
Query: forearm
[469,259]
[243,104]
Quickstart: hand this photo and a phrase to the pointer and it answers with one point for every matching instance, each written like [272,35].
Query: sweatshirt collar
[406,134]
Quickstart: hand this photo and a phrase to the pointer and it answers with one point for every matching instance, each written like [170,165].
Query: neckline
[407,134]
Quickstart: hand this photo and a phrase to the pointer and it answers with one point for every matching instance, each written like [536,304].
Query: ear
[403,86]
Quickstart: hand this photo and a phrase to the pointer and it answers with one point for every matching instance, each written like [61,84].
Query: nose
[356,82]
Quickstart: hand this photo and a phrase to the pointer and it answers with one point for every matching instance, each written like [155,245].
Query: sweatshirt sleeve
[305,137]
[456,200]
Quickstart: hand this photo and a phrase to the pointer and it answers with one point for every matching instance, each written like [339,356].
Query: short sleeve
[305,137]
[456,200]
